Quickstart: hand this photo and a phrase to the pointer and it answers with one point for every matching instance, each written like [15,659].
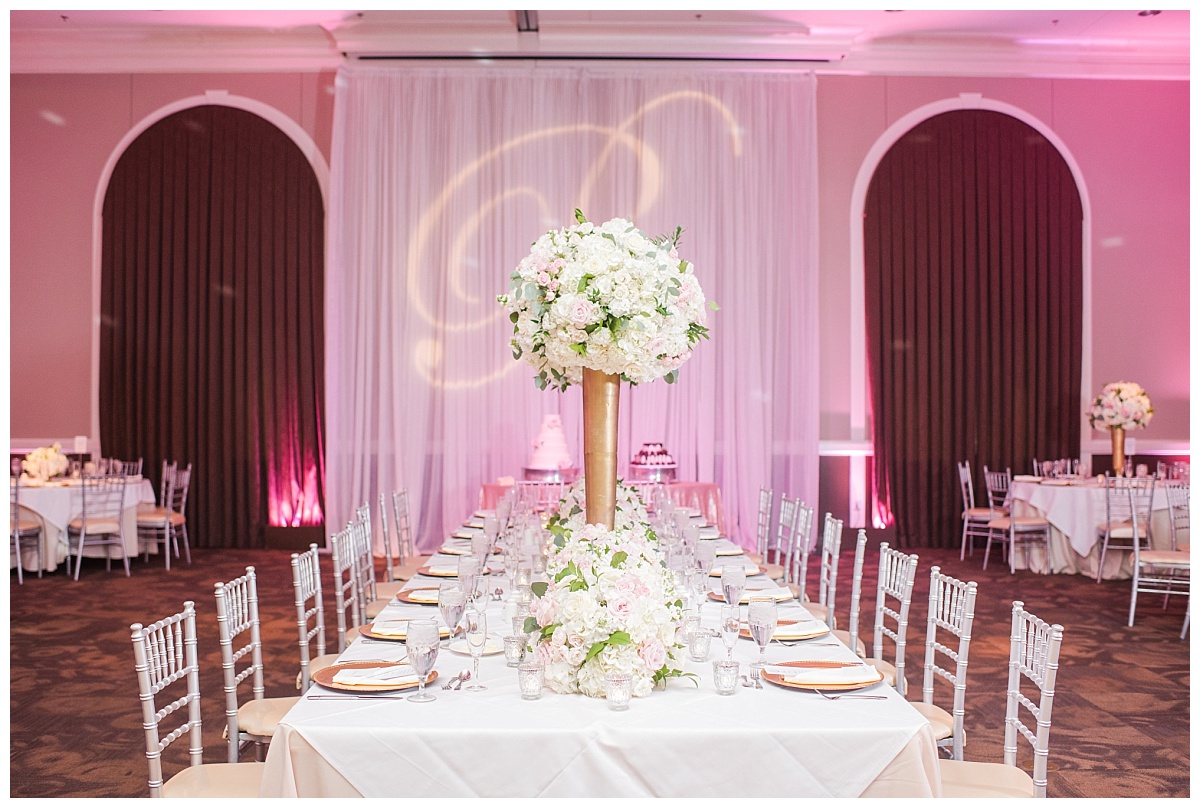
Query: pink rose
[543,278]
[544,611]
[653,653]
[620,605]
[581,313]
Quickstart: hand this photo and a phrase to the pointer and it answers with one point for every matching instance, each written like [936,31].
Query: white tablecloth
[1076,515]
[58,503]
[686,741]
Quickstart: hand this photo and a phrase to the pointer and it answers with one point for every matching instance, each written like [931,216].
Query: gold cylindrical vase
[1118,450]
[601,397]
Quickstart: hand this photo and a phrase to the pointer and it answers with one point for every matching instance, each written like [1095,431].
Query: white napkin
[454,549]
[730,551]
[1026,478]
[778,592]
[709,533]
[853,675]
[422,595]
[801,630]
[397,675]
[390,628]
[443,569]
[751,569]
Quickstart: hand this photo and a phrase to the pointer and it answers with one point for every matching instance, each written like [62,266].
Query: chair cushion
[95,526]
[942,721]
[844,636]
[816,610]
[377,606]
[260,717]
[216,780]
[1018,522]
[317,663]
[978,513]
[772,571]
[386,590]
[965,779]
[1172,558]
[156,516]
[755,557]
[408,569]
[1124,530]
[24,525]
[886,668]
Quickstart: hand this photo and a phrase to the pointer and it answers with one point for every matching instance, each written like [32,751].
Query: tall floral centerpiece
[598,304]
[1120,406]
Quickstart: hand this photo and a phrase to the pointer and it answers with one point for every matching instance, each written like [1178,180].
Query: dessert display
[653,463]
[551,460]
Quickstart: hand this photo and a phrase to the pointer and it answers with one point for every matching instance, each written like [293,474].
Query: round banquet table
[57,503]
[1075,509]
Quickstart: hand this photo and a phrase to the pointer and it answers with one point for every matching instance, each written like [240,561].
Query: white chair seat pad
[261,716]
[964,779]
[978,513]
[886,668]
[24,525]
[942,721]
[773,571]
[377,606]
[1126,531]
[1172,558]
[96,526]
[317,663]
[386,590]
[408,570]
[216,780]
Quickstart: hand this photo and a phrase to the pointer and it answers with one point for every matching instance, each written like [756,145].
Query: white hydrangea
[606,298]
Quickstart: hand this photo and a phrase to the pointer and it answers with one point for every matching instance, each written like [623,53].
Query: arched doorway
[973,293]
[211,318]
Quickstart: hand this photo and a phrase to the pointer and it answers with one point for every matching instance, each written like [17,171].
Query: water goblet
[468,573]
[422,641]
[762,615]
[475,627]
[451,601]
[731,626]
[733,583]
[491,528]
[705,556]
[481,546]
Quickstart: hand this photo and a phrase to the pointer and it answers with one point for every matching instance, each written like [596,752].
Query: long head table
[686,741]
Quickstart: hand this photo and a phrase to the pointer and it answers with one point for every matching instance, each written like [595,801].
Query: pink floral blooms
[653,653]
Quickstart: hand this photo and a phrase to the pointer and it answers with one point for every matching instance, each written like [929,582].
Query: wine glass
[762,614]
[452,601]
[733,583]
[731,626]
[468,573]
[475,624]
[422,641]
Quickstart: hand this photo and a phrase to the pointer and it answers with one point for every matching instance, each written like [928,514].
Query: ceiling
[1083,44]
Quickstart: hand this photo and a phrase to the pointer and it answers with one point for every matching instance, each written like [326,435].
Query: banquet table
[1075,509]
[704,497]
[57,503]
[684,741]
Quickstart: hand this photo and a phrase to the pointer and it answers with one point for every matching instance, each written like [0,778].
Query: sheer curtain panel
[443,177]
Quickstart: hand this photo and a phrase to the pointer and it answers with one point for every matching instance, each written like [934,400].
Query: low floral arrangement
[1120,405]
[45,462]
[607,298]
[610,605]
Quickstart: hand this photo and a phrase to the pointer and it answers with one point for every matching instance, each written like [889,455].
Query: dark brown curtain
[212,331]
[974,284]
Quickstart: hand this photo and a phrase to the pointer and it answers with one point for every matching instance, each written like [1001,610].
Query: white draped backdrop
[443,177]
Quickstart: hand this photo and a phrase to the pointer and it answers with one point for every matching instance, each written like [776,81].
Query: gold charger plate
[752,569]
[405,596]
[818,630]
[871,675]
[437,574]
[366,631]
[450,549]
[324,678]
[749,593]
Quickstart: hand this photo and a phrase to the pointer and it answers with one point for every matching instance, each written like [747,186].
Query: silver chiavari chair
[310,615]
[897,574]
[951,610]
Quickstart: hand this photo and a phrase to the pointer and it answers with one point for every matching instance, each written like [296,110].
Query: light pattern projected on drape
[442,179]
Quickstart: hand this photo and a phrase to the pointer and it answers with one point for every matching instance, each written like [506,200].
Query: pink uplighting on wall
[292,504]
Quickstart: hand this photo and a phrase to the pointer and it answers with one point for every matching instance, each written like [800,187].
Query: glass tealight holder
[725,676]
[698,643]
[618,689]
[514,649]
[529,677]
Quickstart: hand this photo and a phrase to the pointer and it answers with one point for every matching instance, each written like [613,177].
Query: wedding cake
[653,463]
[550,460]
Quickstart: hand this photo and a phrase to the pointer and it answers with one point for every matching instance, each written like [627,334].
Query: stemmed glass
[733,583]
[475,623]
[422,641]
[468,573]
[451,600]
[763,615]
[731,626]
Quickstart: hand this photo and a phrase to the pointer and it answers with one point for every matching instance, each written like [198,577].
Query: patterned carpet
[1121,719]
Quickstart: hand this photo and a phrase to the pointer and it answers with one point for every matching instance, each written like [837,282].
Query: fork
[837,696]
[790,643]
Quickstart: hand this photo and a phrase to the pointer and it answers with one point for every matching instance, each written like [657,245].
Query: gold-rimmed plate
[324,678]
[424,595]
[751,569]
[752,593]
[794,630]
[454,550]
[445,572]
[395,631]
[820,674]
